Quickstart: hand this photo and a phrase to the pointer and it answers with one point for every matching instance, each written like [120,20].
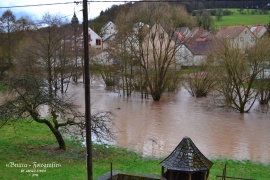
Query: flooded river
[156,128]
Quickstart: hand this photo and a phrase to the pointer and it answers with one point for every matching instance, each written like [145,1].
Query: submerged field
[32,145]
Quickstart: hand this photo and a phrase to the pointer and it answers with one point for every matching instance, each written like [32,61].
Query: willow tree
[153,45]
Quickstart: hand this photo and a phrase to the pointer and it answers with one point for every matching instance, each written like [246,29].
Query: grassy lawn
[238,19]
[29,144]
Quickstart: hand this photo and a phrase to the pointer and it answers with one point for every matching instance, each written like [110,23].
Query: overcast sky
[67,10]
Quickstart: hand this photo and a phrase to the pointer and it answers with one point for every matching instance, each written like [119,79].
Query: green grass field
[238,19]
[28,144]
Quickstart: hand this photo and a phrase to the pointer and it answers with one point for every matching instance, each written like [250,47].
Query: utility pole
[87,93]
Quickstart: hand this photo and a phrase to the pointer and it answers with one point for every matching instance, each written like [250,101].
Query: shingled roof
[204,44]
[230,32]
[187,157]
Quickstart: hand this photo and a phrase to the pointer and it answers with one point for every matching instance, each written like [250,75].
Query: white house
[195,51]
[238,36]
[107,30]
[95,40]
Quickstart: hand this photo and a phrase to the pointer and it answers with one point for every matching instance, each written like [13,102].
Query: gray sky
[65,9]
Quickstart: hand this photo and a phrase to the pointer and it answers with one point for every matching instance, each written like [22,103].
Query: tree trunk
[55,131]
[60,140]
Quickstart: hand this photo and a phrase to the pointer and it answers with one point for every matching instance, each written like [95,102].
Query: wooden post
[189,176]
[111,170]
[87,94]
[162,171]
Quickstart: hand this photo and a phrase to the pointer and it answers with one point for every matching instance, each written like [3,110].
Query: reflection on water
[156,128]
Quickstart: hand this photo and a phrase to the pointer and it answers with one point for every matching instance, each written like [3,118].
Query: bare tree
[104,64]
[153,47]
[200,82]
[32,88]
[262,84]
[28,95]
[24,23]
[238,73]
[7,39]
[7,24]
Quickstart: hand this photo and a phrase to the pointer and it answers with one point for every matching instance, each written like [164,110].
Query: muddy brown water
[155,128]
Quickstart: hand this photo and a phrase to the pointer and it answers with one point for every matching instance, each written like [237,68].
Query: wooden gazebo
[186,162]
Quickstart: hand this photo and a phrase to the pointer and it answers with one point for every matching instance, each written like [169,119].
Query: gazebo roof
[187,157]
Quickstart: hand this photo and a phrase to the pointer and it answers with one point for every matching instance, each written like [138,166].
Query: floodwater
[156,128]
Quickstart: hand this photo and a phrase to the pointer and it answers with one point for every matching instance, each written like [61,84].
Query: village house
[238,36]
[157,44]
[107,33]
[95,41]
[108,29]
[195,50]
[258,31]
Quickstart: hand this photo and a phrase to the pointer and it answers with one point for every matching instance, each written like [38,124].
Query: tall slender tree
[8,25]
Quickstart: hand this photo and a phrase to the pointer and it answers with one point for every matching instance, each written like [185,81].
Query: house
[181,34]
[108,41]
[183,30]
[258,31]
[194,51]
[108,30]
[238,36]
[95,41]
[158,44]
[194,33]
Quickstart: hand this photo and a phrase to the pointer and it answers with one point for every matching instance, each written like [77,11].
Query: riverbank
[27,148]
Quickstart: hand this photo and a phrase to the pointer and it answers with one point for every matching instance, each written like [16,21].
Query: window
[98,42]
[241,39]
[153,36]
[161,35]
